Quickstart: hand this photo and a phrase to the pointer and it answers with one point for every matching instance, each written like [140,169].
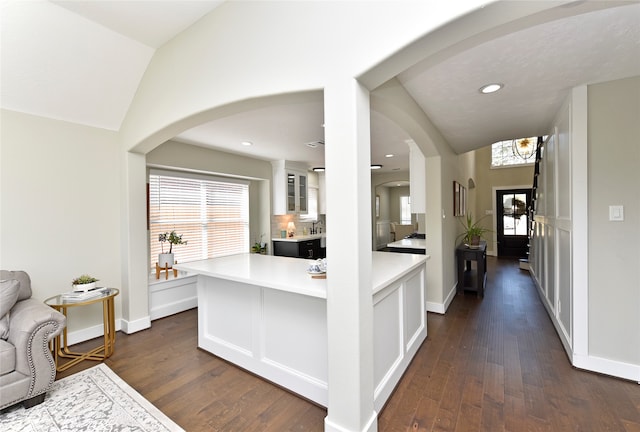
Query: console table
[470,278]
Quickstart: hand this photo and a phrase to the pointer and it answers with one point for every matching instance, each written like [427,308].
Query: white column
[579,223]
[349,296]
[135,265]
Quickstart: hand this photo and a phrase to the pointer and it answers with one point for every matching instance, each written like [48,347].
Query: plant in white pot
[84,283]
[166,260]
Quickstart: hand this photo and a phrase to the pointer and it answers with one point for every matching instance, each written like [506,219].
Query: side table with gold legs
[60,346]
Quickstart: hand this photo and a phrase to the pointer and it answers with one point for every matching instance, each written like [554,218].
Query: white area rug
[93,400]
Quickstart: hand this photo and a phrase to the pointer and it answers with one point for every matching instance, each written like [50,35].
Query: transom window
[521,151]
[211,214]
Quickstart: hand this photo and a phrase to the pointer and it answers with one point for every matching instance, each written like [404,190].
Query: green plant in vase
[84,279]
[473,232]
[84,283]
[259,246]
[166,260]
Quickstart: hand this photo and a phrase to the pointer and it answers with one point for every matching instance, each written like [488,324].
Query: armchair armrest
[32,324]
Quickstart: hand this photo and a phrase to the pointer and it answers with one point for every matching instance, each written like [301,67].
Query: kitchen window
[405,210]
[312,205]
[211,214]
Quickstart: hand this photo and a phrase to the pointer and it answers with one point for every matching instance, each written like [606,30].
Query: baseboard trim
[96,331]
[441,308]
[174,308]
[438,308]
[130,327]
[608,367]
[589,363]
[89,333]
[371,426]
[452,294]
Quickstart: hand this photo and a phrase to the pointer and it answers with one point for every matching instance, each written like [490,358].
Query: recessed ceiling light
[318,169]
[314,144]
[246,143]
[389,155]
[490,88]
[376,166]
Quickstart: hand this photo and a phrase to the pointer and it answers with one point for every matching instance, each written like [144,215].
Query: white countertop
[299,238]
[413,243]
[289,274]
[388,267]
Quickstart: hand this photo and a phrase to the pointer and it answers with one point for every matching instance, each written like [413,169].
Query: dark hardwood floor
[492,364]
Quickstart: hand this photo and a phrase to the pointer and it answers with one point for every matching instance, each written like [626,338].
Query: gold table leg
[61,349]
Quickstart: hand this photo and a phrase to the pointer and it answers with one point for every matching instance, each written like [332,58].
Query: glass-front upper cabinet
[290,188]
[291,192]
[302,193]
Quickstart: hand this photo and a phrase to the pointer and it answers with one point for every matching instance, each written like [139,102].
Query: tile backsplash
[280,222]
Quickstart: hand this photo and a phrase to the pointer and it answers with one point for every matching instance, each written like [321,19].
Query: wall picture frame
[459,199]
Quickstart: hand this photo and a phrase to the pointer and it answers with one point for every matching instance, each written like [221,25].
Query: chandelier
[524,148]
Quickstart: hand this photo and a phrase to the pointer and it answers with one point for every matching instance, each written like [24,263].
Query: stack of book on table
[83,295]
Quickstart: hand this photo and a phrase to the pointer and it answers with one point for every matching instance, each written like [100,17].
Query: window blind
[312,205]
[212,215]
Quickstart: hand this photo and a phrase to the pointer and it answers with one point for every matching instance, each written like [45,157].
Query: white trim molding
[130,327]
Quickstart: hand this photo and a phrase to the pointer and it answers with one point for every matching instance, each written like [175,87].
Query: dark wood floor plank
[425,415]
[469,418]
[488,364]
[512,367]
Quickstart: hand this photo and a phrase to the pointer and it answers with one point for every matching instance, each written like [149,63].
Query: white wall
[583,262]
[60,206]
[614,179]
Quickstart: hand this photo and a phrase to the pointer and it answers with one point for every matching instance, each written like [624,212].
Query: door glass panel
[514,214]
[303,193]
[291,192]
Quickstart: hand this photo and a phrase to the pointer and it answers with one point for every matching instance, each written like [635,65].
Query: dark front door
[512,222]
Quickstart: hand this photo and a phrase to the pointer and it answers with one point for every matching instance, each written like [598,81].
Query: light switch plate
[616,213]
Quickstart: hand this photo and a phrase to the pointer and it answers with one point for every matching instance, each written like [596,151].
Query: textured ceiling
[538,67]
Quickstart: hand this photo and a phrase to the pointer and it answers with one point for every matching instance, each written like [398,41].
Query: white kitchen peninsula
[267,315]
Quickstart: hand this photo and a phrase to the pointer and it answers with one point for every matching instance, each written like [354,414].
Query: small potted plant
[166,260]
[84,283]
[472,232]
[259,246]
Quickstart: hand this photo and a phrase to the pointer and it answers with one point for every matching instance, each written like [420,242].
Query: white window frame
[312,205]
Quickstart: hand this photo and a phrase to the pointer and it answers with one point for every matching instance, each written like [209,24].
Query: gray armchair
[27,369]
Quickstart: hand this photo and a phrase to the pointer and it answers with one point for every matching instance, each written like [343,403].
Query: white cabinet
[290,188]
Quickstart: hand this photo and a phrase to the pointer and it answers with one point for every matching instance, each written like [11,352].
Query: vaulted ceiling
[57,57]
